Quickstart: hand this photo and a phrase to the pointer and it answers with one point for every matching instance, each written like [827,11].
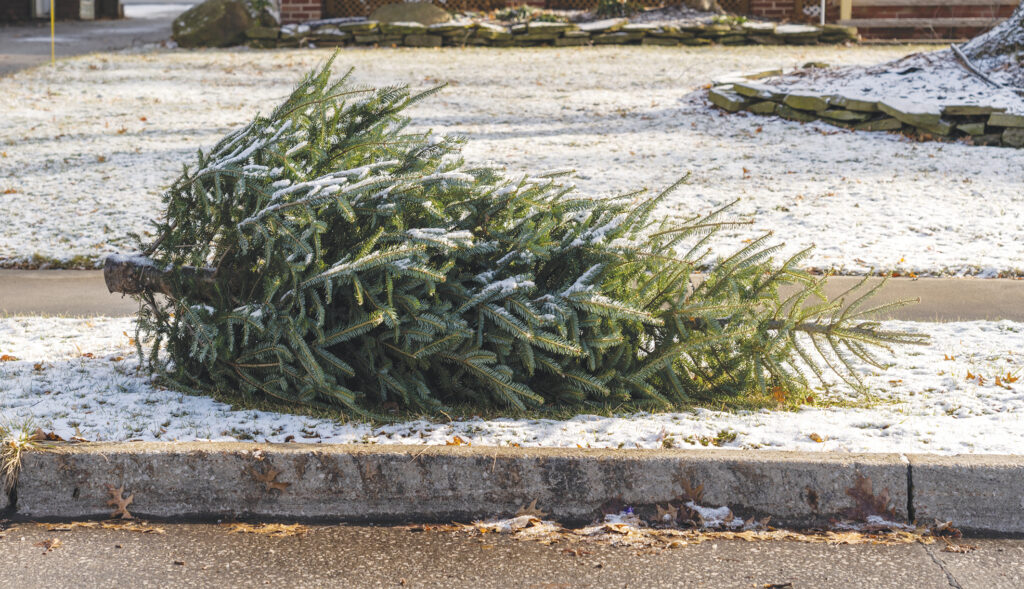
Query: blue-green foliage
[358,263]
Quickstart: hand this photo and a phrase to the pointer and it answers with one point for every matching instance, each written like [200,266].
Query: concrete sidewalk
[26,45]
[78,292]
[369,483]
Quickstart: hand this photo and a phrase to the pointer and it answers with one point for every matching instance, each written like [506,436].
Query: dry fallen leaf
[40,436]
[815,437]
[779,394]
[127,526]
[532,510]
[959,548]
[49,544]
[269,479]
[867,503]
[638,535]
[946,529]
[119,502]
[273,530]
[691,493]
[457,441]
[667,514]
[8,358]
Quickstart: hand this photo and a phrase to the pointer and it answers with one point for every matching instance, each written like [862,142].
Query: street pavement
[83,292]
[25,45]
[207,555]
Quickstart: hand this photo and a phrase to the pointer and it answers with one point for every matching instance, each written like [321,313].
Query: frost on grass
[959,395]
[88,146]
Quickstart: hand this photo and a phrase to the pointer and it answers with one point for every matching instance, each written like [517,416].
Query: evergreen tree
[325,255]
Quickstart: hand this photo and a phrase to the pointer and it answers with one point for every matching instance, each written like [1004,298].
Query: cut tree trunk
[139,275]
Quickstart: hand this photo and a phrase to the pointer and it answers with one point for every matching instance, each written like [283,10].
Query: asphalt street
[25,45]
[207,555]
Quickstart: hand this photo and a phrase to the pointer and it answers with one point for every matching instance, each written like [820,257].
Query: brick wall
[293,11]
[786,10]
[937,11]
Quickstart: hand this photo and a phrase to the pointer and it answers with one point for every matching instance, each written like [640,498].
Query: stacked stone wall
[972,123]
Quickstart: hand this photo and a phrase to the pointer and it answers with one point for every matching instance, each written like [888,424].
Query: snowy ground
[934,79]
[78,377]
[86,147]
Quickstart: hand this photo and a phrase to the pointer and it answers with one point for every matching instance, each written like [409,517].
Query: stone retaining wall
[977,124]
[605,32]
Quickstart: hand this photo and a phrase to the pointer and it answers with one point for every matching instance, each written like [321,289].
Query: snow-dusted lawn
[86,147]
[78,377]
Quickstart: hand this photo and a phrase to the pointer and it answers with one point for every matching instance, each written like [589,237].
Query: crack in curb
[911,511]
[949,576]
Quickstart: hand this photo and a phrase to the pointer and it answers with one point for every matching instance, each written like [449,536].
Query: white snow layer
[87,146]
[926,81]
[79,377]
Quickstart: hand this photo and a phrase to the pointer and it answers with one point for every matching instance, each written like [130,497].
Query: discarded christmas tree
[324,255]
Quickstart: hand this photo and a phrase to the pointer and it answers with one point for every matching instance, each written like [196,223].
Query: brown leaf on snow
[532,510]
[273,530]
[457,441]
[119,502]
[268,478]
[40,436]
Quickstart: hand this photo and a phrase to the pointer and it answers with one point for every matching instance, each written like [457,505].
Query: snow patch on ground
[930,80]
[154,10]
[87,147]
[80,377]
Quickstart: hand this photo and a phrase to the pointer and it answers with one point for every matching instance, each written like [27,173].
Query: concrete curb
[444,483]
[975,492]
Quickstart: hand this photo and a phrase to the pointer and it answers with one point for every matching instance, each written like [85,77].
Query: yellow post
[53,39]
[845,9]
